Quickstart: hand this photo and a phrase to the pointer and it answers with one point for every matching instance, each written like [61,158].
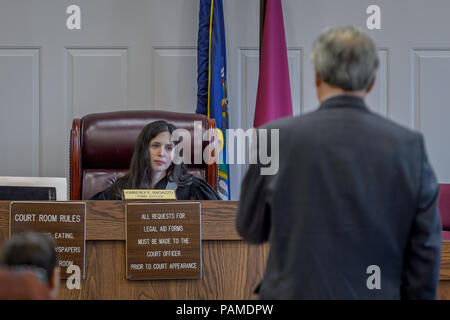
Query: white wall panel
[430,109]
[175,79]
[248,70]
[248,67]
[142,53]
[96,80]
[19,111]
[378,99]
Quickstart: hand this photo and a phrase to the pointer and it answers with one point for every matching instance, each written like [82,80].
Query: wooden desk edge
[105,220]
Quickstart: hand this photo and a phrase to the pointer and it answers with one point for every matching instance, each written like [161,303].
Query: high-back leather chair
[444,209]
[102,144]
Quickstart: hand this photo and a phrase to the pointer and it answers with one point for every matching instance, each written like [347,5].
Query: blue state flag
[212,78]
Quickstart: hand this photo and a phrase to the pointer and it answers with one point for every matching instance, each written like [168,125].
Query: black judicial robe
[197,190]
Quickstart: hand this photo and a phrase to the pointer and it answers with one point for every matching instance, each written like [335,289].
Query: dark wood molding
[262,16]
[75,160]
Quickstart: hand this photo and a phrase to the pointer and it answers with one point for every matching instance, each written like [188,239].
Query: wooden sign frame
[52,215]
[163,240]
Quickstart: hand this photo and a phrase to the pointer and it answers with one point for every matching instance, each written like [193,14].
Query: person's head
[154,148]
[33,251]
[153,153]
[345,61]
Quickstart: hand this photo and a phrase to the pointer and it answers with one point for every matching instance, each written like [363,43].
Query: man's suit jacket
[354,190]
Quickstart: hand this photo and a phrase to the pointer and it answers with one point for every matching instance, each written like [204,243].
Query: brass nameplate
[148,194]
[163,240]
[64,221]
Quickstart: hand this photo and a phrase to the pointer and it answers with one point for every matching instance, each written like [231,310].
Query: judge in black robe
[152,167]
[197,190]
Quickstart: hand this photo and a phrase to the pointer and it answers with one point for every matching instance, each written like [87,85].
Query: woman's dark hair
[33,249]
[140,173]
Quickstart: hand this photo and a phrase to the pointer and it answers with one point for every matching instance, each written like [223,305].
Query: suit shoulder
[397,129]
[287,121]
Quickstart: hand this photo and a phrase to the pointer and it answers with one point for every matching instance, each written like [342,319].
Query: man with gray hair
[352,212]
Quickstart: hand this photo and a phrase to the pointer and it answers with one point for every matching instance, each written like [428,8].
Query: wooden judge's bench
[232,268]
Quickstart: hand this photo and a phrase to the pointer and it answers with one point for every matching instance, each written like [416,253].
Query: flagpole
[262,15]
